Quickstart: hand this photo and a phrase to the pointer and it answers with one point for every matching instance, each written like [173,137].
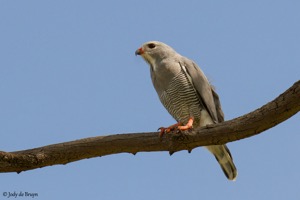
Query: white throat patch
[150,61]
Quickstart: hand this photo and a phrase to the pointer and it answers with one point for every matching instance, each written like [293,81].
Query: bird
[187,95]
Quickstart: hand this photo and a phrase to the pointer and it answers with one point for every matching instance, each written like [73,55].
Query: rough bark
[253,123]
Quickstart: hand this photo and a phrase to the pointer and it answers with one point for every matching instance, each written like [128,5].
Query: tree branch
[268,116]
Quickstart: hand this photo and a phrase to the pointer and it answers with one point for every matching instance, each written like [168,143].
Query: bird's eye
[151,45]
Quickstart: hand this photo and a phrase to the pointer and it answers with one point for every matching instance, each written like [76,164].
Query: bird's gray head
[154,51]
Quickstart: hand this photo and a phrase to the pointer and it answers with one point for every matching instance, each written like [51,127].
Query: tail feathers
[223,156]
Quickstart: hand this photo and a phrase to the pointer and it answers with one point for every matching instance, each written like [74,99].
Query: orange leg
[188,126]
[178,126]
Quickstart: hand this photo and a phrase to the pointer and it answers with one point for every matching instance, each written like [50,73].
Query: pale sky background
[68,71]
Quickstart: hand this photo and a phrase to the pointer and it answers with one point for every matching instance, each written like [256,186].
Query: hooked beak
[139,51]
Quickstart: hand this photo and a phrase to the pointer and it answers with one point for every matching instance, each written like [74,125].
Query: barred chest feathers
[178,95]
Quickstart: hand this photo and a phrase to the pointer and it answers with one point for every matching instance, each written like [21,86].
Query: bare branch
[268,116]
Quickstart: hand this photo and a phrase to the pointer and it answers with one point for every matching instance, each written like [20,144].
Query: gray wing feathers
[204,89]
[220,113]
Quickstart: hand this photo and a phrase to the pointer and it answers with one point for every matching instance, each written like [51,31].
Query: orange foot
[176,126]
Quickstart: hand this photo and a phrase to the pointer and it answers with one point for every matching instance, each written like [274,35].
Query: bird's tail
[223,156]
